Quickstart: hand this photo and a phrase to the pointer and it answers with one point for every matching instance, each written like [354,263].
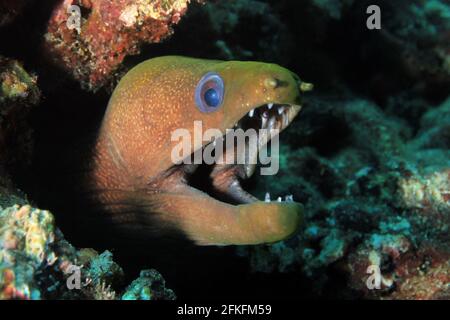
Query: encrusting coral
[149,286]
[91,38]
[36,262]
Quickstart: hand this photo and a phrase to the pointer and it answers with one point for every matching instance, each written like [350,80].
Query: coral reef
[149,286]
[406,273]
[383,203]
[419,35]
[36,262]
[92,39]
[235,17]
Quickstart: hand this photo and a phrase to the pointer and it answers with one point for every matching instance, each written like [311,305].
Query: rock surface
[90,39]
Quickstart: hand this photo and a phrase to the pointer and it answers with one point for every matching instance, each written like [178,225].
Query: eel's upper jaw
[271,116]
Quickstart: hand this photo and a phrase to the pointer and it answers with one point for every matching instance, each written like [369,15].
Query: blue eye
[209,92]
[212,97]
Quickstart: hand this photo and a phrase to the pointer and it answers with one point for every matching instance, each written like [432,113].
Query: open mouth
[224,181]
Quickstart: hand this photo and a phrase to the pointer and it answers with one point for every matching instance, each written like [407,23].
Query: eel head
[134,164]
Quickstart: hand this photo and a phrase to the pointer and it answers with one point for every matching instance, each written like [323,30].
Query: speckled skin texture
[134,178]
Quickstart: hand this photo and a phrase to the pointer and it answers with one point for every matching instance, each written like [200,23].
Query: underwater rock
[36,262]
[92,41]
[428,194]
[233,30]
[406,271]
[422,32]
[434,133]
[17,86]
[369,156]
[334,8]
[149,286]
[410,52]
[18,94]
[26,238]
[424,275]
[426,200]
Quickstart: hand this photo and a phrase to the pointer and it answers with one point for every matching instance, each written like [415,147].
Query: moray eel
[142,190]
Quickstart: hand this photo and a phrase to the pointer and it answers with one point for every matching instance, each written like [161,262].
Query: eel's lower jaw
[208,221]
[227,186]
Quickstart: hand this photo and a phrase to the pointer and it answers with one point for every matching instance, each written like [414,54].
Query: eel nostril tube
[305,86]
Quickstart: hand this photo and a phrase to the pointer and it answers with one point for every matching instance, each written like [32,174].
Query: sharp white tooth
[250,157]
[264,133]
[285,120]
[270,105]
[267,197]
[249,169]
[280,110]
[251,113]
[272,123]
[279,199]
[289,198]
[263,122]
